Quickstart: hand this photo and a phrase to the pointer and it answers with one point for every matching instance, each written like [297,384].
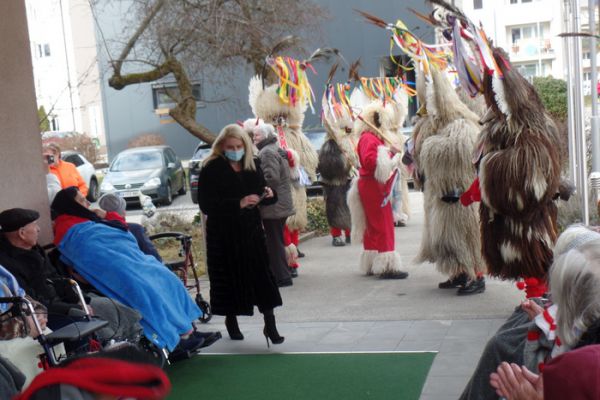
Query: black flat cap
[16,218]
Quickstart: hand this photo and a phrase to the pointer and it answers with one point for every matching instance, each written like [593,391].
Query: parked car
[86,170]
[194,166]
[156,171]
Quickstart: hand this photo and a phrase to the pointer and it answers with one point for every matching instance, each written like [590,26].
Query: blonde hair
[575,283]
[236,132]
[53,147]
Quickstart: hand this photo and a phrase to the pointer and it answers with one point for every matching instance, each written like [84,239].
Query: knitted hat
[112,202]
[16,218]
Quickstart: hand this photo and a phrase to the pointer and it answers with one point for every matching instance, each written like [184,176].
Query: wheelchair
[80,334]
[182,269]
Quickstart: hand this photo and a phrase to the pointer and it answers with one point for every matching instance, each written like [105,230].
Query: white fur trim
[388,261]
[430,102]
[291,254]
[366,261]
[498,87]
[385,164]
[509,253]
[538,184]
[254,91]
[357,213]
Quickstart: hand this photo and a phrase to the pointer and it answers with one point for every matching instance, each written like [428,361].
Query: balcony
[531,49]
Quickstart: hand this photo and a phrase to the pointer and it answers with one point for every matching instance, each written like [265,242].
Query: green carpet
[346,376]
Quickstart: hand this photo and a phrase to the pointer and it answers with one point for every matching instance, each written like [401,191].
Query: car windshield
[137,161]
[201,154]
[316,139]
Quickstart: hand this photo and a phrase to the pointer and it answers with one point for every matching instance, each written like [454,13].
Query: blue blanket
[112,262]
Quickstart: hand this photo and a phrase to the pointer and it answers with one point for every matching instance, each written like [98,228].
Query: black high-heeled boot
[233,328]
[270,331]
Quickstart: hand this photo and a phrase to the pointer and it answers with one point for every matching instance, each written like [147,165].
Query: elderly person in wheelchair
[102,251]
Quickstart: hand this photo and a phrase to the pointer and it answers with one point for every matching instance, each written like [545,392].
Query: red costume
[370,199]
[379,233]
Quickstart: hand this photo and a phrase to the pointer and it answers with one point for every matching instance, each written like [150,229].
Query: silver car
[155,171]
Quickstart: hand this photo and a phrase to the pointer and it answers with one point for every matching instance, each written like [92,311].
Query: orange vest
[68,175]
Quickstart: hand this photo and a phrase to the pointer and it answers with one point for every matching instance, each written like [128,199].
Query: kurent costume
[370,195]
[400,204]
[517,155]
[338,164]
[519,177]
[287,117]
[445,142]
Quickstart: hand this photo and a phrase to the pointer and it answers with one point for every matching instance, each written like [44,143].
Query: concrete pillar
[22,172]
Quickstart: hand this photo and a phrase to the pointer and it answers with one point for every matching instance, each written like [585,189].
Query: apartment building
[526,29]
[65,65]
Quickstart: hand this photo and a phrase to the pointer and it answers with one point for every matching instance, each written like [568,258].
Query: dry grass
[170,249]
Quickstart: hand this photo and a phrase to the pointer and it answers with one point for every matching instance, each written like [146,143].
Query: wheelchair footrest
[75,331]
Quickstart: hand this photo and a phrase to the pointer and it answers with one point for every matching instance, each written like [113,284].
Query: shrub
[169,249]
[317,219]
[570,212]
[78,142]
[147,139]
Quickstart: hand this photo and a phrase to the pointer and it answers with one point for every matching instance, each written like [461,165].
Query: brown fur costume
[265,104]
[337,165]
[519,174]
[451,236]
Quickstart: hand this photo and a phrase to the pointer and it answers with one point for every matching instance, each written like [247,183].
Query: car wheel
[93,190]
[194,194]
[169,197]
[182,191]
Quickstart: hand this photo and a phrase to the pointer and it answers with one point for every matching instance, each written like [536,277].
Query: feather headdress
[424,54]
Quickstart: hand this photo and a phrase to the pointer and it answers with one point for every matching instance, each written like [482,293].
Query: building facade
[65,65]
[527,29]
[133,110]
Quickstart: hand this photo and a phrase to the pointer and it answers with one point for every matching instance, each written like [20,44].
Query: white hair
[266,130]
[575,282]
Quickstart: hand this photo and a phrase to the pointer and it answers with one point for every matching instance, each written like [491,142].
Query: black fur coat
[238,264]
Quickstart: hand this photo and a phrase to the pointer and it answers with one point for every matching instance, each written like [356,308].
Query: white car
[87,171]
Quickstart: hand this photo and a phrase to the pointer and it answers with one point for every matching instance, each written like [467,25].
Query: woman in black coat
[230,186]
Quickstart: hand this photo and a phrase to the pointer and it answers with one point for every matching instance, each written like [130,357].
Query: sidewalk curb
[306,236]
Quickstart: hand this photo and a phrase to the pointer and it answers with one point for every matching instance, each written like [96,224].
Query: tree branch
[117,64]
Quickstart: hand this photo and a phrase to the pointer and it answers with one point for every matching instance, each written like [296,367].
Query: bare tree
[183,39]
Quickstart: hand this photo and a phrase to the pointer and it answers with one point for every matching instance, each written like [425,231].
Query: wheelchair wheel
[158,356]
[205,307]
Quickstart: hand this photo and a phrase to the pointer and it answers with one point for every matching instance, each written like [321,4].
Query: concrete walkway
[332,307]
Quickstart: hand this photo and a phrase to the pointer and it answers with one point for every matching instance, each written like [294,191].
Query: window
[164,95]
[54,123]
[43,50]
[528,70]
[74,159]
[171,157]
[587,76]
[477,4]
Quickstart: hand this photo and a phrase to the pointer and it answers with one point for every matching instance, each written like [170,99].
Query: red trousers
[335,232]
[291,237]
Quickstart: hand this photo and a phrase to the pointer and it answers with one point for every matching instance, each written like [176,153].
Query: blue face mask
[234,155]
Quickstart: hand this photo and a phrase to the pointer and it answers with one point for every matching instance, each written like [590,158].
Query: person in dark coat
[230,186]
[277,175]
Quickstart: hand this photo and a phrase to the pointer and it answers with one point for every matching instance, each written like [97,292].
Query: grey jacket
[277,174]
